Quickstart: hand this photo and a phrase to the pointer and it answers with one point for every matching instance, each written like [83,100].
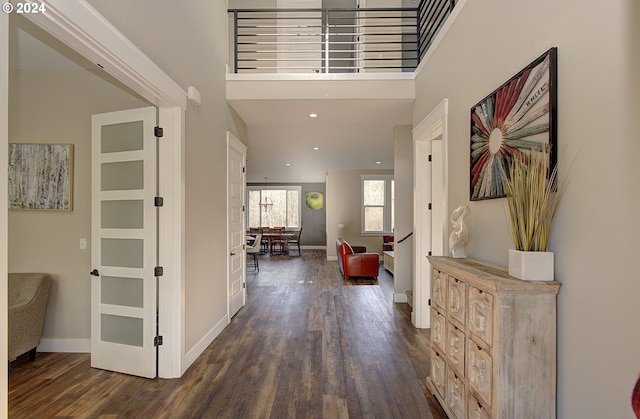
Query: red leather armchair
[354,261]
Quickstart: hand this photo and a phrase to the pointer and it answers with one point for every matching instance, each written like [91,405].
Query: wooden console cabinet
[493,342]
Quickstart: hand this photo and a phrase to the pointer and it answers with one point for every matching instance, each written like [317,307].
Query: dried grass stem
[533,198]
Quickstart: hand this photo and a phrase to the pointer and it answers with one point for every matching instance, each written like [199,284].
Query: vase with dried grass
[533,195]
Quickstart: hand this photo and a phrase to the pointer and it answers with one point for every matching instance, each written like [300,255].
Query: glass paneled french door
[124,242]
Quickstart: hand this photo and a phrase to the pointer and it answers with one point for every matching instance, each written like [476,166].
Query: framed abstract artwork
[314,200]
[517,118]
[40,176]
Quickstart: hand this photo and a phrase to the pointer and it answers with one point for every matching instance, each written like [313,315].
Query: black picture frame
[518,117]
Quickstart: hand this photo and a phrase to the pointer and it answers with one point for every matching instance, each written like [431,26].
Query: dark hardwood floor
[308,344]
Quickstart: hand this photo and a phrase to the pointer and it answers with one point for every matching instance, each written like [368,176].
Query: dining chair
[295,240]
[254,249]
[387,242]
[265,242]
[277,242]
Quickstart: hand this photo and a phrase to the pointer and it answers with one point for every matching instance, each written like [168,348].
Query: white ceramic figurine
[460,234]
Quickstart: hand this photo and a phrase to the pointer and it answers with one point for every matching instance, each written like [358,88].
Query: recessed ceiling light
[378,162]
[288,164]
[313,115]
[316,148]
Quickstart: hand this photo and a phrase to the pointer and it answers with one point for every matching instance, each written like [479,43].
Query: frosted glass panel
[122,214]
[126,175]
[122,137]
[123,330]
[121,291]
[127,253]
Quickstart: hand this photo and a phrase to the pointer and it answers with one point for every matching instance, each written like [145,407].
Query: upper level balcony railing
[333,40]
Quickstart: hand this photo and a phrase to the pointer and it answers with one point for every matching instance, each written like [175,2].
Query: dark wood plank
[308,344]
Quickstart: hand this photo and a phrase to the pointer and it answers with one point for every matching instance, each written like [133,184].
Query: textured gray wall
[314,222]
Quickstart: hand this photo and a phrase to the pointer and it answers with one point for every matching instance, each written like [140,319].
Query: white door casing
[124,242]
[430,188]
[236,237]
[4,140]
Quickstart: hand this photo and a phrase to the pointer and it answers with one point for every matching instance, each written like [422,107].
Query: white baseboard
[65,345]
[332,258]
[84,345]
[313,247]
[400,298]
[197,350]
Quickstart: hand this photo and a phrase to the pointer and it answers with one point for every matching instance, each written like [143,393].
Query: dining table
[286,235]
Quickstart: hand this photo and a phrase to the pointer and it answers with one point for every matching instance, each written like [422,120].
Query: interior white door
[382,34]
[236,156]
[124,242]
[300,37]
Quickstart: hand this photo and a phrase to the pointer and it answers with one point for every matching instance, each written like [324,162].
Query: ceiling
[349,134]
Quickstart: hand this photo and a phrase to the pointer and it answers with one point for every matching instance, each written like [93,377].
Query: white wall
[188,40]
[594,234]
[403,175]
[253,4]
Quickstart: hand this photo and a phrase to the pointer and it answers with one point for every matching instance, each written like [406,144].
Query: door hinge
[429,205]
[429,253]
[158,271]
[158,201]
[243,208]
[244,285]
[244,169]
[157,341]
[429,302]
[244,247]
[158,132]
[429,158]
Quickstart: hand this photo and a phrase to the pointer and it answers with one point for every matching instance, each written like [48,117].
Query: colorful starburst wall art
[515,120]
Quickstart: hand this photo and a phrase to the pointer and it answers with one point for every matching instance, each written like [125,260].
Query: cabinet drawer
[439,289]
[455,348]
[480,372]
[438,330]
[438,372]
[456,299]
[456,396]
[476,410]
[481,314]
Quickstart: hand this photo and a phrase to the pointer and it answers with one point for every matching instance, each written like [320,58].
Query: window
[377,204]
[282,206]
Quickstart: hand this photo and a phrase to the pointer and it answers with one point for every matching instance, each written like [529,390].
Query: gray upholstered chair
[254,250]
[27,300]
